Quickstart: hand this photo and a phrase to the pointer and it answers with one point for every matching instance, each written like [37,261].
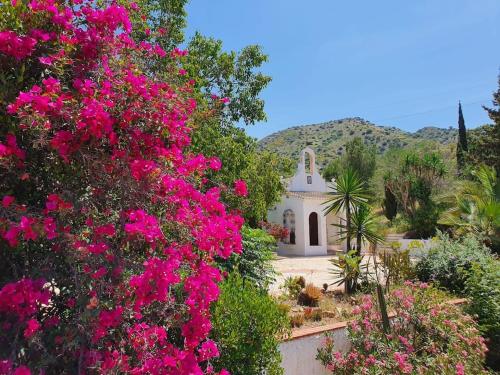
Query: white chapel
[301,211]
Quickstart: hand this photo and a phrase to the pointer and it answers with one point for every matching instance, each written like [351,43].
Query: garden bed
[330,307]
[333,307]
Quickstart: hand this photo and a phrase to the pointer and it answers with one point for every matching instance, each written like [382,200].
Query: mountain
[328,139]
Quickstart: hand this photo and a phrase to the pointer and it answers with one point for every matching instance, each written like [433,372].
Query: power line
[431,110]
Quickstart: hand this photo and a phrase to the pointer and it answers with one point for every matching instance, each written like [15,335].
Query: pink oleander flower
[404,366]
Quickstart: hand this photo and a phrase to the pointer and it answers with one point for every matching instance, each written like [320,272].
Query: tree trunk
[348,224]
[359,241]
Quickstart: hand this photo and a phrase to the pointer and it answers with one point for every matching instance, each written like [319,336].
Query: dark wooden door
[313,229]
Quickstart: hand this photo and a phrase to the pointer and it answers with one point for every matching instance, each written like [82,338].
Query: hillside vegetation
[328,139]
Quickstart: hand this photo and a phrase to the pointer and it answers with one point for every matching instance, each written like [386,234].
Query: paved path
[315,270]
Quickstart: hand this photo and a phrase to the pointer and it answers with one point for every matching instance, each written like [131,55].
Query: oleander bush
[467,267]
[425,337]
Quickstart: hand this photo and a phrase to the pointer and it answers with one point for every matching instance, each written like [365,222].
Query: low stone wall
[298,353]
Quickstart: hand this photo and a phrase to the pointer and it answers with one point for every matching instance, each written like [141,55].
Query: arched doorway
[313,229]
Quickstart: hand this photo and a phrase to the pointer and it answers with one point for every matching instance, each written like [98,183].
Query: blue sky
[392,62]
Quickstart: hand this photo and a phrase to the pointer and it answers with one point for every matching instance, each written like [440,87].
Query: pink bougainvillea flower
[22,370]
[240,188]
[15,45]
[32,327]
[7,200]
[128,218]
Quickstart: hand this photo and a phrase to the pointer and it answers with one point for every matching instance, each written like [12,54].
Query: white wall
[315,205]
[276,216]
[299,355]
[302,207]
[299,180]
[332,231]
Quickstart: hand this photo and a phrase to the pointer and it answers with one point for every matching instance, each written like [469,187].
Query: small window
[289,223]
[309,180]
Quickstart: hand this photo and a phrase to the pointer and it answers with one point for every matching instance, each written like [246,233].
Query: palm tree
[349,193]
[363,227]
[476,206]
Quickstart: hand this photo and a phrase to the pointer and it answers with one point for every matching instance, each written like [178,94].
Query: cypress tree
[390,204]
[462,141]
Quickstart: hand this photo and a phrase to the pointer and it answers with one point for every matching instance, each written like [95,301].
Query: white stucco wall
[315,205]
[302,208]
[305,195]
[276,216]
[332,231]
[299,355]
[299,180]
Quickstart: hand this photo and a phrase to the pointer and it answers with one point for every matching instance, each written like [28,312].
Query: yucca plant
[347,270]
[349,193]
[363,228]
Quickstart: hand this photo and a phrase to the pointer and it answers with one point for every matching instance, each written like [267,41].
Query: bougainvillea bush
[107,231]
[425,337]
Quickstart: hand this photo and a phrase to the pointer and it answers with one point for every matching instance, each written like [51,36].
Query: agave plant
[349,193]
[476,207]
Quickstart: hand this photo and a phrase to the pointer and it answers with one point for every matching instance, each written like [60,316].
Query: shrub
[297,320]
[448,260]
[482,287]
[254,262]
[293,285]
[316,315]
[248,326]
[108,226]
[423,222]
[309,296]
[301,281]
[425,338]
[397,266]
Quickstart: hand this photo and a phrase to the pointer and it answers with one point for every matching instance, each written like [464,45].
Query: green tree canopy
[413,184]
[359,157]
[484,142]
[227,86]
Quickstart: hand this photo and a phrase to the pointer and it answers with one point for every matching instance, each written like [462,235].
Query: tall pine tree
[462,141]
